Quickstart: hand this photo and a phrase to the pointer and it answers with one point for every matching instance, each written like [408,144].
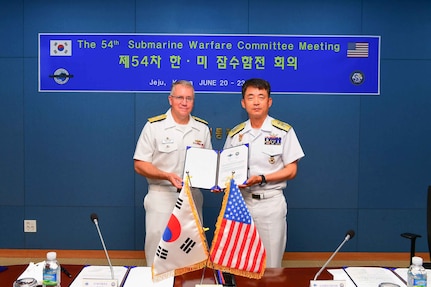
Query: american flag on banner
[237,247]
[183,246]
[357,50]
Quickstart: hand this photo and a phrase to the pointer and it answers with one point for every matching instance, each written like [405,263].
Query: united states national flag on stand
[183,246]
[237,247]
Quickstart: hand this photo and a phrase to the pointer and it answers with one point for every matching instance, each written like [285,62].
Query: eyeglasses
[182,98]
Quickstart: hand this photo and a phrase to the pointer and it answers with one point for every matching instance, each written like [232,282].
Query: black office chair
[413,236]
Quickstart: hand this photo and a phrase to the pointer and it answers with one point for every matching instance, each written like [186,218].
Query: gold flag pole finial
[188,179]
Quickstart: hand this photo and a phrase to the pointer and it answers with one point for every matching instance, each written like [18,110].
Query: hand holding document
[212,169]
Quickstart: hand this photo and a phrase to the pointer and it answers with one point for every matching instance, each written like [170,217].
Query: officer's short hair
[261,84]
[182,82]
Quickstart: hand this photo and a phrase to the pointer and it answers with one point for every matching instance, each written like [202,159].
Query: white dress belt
[263,195]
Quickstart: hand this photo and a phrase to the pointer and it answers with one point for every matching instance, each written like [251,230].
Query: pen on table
[66,272]
[348,275]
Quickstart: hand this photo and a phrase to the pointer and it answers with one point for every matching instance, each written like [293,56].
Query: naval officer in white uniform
[274,152]
[159,156]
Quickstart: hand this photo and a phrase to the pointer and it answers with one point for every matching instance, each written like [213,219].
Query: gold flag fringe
[244,273]
[179,271]
[196,266]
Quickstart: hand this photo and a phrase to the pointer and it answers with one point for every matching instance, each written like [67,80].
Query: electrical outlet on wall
[30,226]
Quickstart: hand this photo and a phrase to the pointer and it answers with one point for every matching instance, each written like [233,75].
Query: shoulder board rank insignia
[157,118]
[200,120]
[281,125]
[237,129]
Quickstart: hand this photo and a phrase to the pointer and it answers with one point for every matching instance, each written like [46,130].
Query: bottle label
[420,282]
[416,282]
[50,277]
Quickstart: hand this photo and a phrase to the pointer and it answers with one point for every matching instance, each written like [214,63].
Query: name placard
[328,283]
[215,63]
[97,282]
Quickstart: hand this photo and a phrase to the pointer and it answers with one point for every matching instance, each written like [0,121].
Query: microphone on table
[349,235]
[95,220]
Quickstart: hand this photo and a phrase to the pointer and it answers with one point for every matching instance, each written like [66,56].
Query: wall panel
[66,155]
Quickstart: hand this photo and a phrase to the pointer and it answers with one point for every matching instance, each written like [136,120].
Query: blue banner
[136,63]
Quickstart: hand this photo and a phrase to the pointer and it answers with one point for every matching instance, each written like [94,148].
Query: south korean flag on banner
[183,246]
[60,47]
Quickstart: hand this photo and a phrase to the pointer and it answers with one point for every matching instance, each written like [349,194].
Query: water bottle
[51,271]
[417,274]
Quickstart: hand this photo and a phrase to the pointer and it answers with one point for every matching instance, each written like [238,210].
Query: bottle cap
[51,255]
[416,260]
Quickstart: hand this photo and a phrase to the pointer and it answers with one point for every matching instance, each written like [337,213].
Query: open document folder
[367,276]
[213,169]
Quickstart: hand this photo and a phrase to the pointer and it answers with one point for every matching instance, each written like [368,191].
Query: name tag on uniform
[168,141]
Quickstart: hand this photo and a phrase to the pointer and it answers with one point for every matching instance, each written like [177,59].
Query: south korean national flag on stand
[183,247]
[60,48]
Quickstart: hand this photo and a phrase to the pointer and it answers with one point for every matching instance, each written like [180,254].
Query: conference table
[286,277]
[273,277]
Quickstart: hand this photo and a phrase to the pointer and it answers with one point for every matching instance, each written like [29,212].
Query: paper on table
[141,276]
[33,271]
[100,272]
[372,276]
[402,272]
[339,274]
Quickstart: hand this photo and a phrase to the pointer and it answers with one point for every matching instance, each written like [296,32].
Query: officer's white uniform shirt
[164,143]
[270,149]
